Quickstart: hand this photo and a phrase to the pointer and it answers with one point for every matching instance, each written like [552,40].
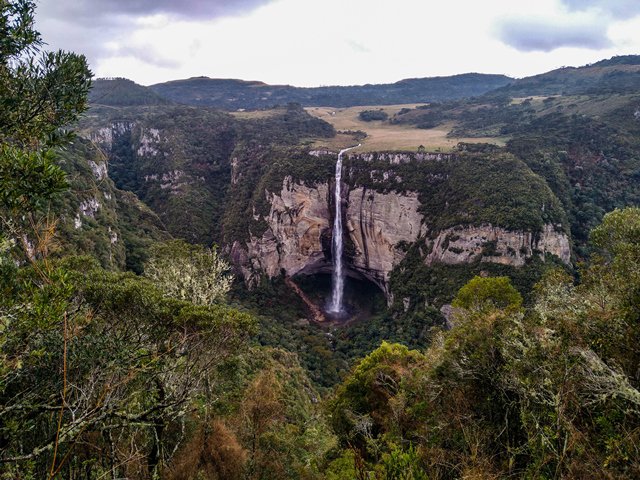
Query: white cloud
[307,42]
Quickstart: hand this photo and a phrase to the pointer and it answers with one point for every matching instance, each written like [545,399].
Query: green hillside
[178,159]
[121,92]
[585,146]
[616,75]
[98,219]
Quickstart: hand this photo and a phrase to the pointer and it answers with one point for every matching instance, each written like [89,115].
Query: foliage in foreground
[549,392]
[109,374]
[102,361]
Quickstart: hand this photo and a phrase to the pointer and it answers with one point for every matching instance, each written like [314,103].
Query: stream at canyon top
[337,278]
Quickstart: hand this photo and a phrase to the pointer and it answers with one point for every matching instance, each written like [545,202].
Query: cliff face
[175,160]
[98,219]
[298,239]
[487,243]
[272,207]
[379,228]
[298,219]
[378,224]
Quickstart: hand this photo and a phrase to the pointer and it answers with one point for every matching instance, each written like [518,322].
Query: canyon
[379,229]
[271,209]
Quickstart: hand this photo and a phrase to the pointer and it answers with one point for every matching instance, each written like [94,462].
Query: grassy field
[385,136]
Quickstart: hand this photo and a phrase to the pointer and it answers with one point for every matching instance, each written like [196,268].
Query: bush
[372,115]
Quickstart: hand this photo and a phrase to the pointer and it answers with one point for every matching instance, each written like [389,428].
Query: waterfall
[337,278]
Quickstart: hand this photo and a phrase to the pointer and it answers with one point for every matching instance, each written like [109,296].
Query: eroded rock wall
[377,223]
[487,243]
[298,217]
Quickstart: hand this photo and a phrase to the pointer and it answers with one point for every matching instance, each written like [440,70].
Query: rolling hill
[231,94]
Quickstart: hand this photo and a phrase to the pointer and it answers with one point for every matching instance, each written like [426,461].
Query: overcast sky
[337,42]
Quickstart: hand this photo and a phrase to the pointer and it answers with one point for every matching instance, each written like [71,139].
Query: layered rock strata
[380,227]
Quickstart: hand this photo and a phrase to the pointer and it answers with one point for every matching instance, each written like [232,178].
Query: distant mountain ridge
[619,74]
[232,94]
[618,60]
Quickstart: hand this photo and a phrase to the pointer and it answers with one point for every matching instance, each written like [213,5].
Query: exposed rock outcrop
[316,313]
[99,169]
[487,243]
[105,136]
[397,158]
[298,217]
[89,207]
[149,140]
[380,226]
[377,224]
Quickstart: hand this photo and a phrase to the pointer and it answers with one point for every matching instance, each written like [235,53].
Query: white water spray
[337,278]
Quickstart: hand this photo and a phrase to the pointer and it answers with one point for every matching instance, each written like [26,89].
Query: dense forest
[131,347]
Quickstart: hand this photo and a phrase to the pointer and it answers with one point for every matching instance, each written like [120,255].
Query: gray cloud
[102,9]
[76,37]
[86,26]
[147,54]
[526,34]
[616,8]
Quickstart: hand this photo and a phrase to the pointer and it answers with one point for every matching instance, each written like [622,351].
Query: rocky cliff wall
[379,227]
[487,243]
[98,219]
[298,239]
[378,224]
[298,218]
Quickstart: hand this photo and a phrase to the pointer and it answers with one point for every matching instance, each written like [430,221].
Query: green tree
[367,405]
[483,294]
[121,374]
[40,94]
[546,392]
[611,285]
[618,238]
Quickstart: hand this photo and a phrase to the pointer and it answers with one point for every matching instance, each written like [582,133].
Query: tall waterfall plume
[337,277]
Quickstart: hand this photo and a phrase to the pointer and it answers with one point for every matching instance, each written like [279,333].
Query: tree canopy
[189,272]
